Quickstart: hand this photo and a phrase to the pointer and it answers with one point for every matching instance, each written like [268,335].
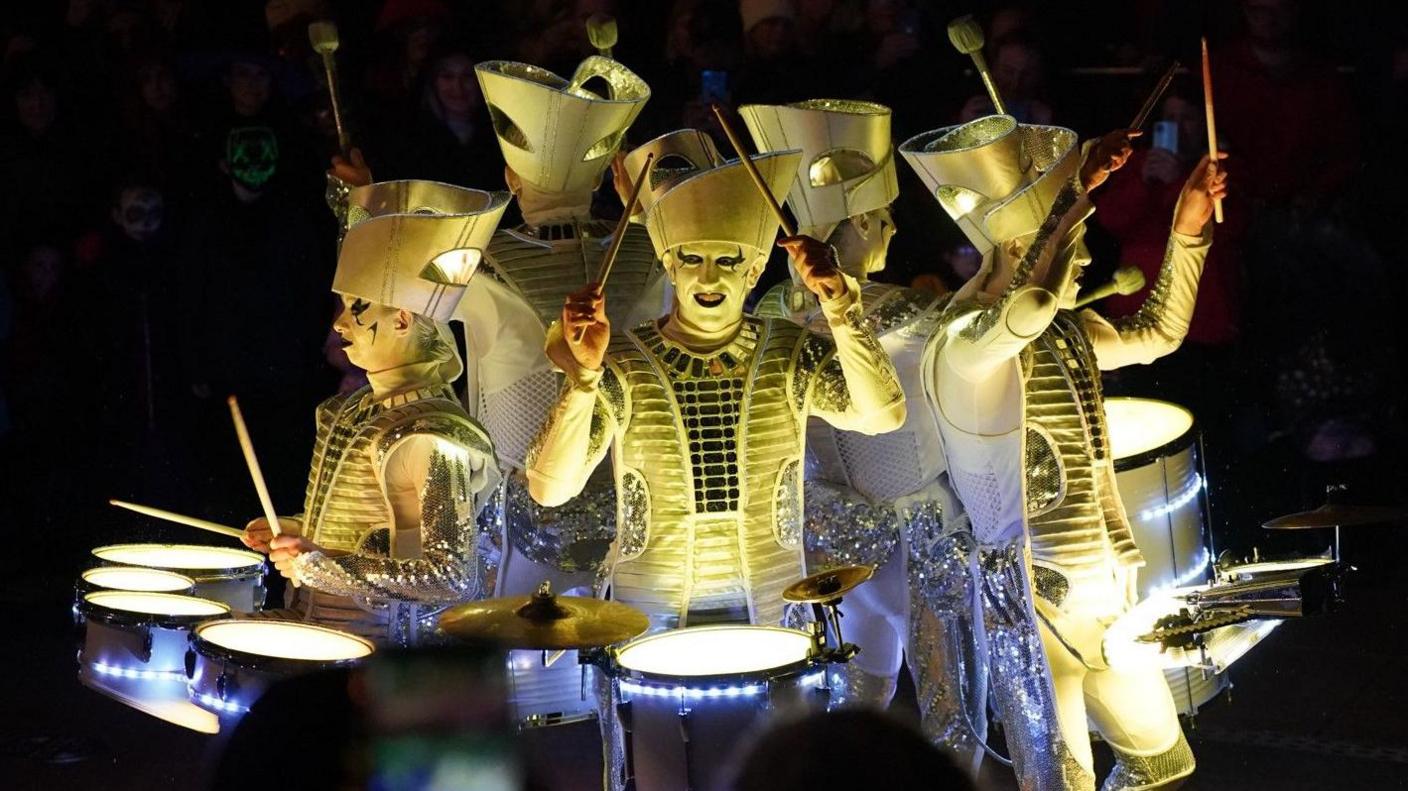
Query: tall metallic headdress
[996,178]
[847,165]
[559,135]
[678,155]
[414,245]
[718,201]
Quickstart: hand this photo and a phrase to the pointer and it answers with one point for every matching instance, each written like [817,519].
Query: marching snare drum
[135,635]
[125,578]
[691,696]
[232,576]
[1154,445]
[232,662]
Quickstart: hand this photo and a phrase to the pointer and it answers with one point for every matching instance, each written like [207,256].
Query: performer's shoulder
[440,417]
[334,403]
[773,303]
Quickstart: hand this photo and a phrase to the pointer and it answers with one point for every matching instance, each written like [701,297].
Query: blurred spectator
[1136,207]
[252,312]
[1280,106]
[774,69]
[406,30]
[445,134]
[129,273]
[157,135]
[1019,72]
[52,171]
[700,64]
[851,748]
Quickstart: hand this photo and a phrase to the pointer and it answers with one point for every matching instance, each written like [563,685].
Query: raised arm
[577,432]
[857,389]
[1161,323]
[432,481]
[979,343]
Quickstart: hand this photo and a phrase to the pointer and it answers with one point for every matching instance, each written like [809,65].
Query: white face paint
[864,242]
[375,337]
[711,281]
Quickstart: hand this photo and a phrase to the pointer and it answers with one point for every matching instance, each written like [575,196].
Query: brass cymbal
[544,621]
[1338,515]
[825,586]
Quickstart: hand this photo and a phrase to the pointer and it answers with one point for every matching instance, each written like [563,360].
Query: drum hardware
[545,621]
[130,635]
[1302,588]
[1185,630]
[687,696]
[1335,514]
[823,591]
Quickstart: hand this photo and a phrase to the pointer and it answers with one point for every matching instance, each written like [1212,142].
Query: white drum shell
[555,695]
[1156,470]
[720,714]
[236,577]
[227,682]
[132,649]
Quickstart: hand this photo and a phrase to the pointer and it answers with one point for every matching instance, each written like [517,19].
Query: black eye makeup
[358,307]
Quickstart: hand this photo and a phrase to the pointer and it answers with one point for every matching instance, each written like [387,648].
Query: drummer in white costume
[1017,376]
[704,409]
[388,535]
[870,499]
[558,136]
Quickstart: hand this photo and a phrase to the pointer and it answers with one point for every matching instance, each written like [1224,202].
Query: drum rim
[210,650]
[1151,455]
[796,668]
[101,613]
[251,569]
[84,585]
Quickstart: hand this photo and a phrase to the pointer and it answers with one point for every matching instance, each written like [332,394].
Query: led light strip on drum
[1189,493]
[132,672]
[227,706]
[694,693]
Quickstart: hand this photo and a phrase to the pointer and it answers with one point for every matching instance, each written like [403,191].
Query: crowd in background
[165,240]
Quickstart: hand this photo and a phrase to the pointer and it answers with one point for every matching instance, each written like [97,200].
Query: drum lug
[146,644]
[226,686]
[190,662]
[261,593]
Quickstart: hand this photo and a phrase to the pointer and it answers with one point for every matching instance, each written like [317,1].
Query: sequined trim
[1141,772]
[635,514]
[847,529]
[571,537]
[788,515]
[1023,272]
[1050,585]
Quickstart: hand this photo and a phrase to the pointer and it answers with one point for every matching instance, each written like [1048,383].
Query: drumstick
[180,519]
[1212,124]
[621,226]
[753,171]
[1149,103]
[247,445]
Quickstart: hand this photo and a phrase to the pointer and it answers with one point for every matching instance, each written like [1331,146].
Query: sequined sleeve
[853,383]
[433,482]
[1161,323]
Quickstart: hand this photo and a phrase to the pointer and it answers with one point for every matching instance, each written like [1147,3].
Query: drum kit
[686,698]
[160,629]
[162,626]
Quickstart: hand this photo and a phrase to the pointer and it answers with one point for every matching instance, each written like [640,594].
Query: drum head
[284,640]
[187,557]
[1144,427]
[157,604]
[716,651]
[126,578]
